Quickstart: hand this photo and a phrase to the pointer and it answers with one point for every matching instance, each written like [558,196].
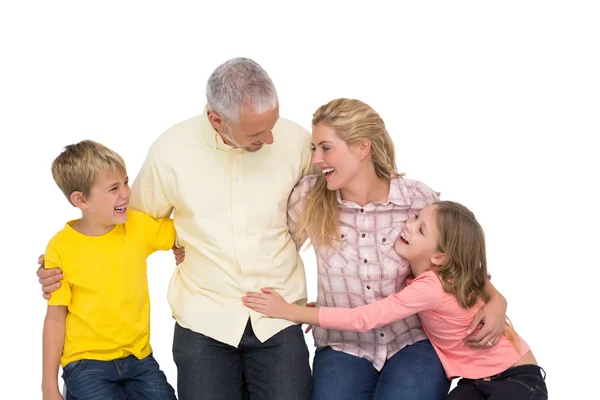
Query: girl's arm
[53,342]
[423,294]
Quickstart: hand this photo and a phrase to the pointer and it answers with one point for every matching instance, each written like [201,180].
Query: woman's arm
[493,317]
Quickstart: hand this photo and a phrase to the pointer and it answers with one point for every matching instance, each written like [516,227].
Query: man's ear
[78,200]
[217,122]
[438,259]
[363,148]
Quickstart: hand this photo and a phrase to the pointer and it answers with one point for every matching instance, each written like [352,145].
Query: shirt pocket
[343,251]
[391,262]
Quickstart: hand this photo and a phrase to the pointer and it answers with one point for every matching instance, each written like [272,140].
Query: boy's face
[418,242]
[108,199]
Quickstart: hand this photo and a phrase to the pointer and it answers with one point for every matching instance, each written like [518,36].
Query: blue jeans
[211,370]
[415,372]
[125,378]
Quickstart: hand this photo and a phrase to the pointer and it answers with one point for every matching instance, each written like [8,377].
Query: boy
[97,324]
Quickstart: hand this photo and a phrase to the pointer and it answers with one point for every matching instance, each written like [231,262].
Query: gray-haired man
[229,195]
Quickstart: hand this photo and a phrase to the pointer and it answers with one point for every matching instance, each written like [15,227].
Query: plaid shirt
[364,267]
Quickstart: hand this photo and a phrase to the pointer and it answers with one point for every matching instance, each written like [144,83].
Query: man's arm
[53,342]
[149,193]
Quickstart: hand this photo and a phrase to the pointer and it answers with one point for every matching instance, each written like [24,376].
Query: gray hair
[237,83]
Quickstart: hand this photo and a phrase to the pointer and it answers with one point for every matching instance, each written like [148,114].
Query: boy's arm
[53,342]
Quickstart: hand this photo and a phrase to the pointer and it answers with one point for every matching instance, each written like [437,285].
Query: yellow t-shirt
[105,287]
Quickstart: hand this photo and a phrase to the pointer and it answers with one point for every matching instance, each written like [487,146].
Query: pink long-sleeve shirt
[444,321]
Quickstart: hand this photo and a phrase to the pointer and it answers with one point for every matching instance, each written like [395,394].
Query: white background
[494,105]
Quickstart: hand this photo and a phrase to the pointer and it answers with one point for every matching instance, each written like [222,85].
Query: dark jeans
[414,373]
[524,382]
[125,378]
[210,370]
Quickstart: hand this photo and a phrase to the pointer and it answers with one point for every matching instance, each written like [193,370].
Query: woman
[353,213]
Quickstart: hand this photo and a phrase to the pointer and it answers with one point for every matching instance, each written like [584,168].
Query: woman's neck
[366,188]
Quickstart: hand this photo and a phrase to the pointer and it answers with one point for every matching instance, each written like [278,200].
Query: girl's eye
[421,230]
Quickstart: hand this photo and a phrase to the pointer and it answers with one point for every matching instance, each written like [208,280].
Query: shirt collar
[396,196]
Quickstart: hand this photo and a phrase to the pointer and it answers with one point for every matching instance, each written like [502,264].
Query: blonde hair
[354,122]
[78,165]
[463,272]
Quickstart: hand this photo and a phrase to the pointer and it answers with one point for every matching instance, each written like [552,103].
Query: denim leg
[342,376]
[143,379]
[206,368]
[413,373]
[465,390]
[279,368]
[92,380]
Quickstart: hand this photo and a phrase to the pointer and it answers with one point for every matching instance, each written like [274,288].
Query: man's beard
[229,136]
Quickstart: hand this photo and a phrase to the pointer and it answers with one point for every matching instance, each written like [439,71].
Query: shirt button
[382,334]
[365,260]
[363,235]
[343,236]
[368,287]
[383,240]
[362,210]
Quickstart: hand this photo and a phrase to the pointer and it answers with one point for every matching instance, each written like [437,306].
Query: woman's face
[338,162]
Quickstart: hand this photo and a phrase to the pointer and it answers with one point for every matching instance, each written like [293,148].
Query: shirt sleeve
[52,259]
[423,294]
[421,195]
[160,233]
[295,206]
[148,192]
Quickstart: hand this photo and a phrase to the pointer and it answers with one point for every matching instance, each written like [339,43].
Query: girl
[445,247]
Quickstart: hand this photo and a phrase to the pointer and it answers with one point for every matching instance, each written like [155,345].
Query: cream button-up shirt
[229,208]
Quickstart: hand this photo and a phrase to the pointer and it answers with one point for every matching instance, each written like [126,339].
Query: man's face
[251,132]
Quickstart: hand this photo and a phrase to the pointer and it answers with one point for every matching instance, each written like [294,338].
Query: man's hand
[179,253]
[48,278]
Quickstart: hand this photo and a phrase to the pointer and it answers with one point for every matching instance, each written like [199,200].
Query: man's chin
[253,147]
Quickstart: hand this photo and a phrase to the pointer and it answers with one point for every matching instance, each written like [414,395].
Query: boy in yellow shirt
[97,325]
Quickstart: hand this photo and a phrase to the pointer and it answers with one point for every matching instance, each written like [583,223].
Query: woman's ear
[363,148]
[438,259]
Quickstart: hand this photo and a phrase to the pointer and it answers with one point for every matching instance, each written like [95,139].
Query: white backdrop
[494,105]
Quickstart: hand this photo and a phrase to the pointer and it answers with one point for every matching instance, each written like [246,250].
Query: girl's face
[418,242]
[338,162]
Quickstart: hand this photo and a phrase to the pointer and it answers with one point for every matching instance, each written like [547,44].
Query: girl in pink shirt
[445,247]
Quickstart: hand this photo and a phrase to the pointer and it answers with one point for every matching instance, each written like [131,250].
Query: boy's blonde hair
[78,165]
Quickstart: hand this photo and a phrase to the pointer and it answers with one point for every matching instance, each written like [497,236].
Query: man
[228,193]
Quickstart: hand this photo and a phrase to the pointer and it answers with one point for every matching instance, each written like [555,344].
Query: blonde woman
[353,213]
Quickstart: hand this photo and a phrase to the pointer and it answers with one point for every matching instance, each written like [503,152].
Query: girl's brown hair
[464,270]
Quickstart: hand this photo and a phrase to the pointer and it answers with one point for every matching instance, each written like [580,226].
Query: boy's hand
[269,303]
[48,278]
[52,395]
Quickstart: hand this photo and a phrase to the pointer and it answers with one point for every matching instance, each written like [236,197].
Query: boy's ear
[78,200]
[438,259]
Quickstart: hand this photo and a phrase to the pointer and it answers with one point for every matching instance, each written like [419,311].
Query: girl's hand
[269,303]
